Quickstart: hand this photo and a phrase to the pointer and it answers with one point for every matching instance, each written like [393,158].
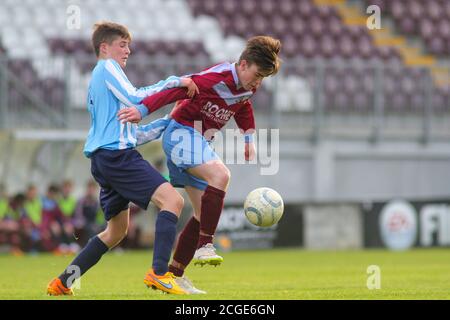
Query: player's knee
[227,175]
[171,201]
[178,202]
[123,235]
[221,177]
[113,237]
[119,236]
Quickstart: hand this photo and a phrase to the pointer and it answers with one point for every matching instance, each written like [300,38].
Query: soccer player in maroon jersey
[225,90]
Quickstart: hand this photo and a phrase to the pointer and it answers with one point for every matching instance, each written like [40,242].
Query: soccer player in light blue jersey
[124,176]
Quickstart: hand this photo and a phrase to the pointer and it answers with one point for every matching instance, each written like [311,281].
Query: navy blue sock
[87,258]
[165,233]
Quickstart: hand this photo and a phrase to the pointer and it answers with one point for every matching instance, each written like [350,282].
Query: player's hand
[131,114]
[190,85]
[250,151]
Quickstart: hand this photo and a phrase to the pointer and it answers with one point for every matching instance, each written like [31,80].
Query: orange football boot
[165,282]
[56,288]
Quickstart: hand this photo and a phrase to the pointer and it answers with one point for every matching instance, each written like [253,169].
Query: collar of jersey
[234,72]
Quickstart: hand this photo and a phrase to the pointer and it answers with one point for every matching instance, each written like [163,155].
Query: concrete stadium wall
[351,171]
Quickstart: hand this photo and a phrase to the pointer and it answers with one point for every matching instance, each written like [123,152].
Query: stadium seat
[342,102]
[316,25]
[346,48]
[440,100]
[304,8]
[287,9]
[335,26]
[309,46]
[408,25]
[431,22]
[267,8]
[362,102]
[191,30]
[434,10]
[417,102]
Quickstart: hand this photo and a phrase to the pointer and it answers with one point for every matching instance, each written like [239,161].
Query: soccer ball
[263,207]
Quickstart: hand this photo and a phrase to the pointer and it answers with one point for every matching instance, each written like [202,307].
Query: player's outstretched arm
[152,131]
[121,87]
[153,103]
[160,99]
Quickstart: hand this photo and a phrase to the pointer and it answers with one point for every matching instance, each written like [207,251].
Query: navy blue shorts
[124,177]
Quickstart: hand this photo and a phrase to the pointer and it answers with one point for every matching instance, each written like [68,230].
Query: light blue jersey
[109,91]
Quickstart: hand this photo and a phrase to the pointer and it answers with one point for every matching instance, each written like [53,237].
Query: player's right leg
[115,231]
[105,169]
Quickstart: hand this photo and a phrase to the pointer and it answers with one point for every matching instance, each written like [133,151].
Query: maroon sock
[186,246]
[176,271]
[212,204]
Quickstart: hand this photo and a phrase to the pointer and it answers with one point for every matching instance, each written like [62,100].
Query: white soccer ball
[263,207]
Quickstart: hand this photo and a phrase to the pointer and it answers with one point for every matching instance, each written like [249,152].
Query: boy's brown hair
[108,32]
[263,51]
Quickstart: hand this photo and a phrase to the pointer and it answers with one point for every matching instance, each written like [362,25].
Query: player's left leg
[187,243]
[170,202]
[188,239]
[217,175]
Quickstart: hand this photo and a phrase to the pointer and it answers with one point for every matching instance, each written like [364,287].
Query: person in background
[30,208]
[67,202]
[56,229]
[9,225]
[33,205]
[87,214]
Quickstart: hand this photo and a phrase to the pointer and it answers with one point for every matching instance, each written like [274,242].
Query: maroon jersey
[219,100]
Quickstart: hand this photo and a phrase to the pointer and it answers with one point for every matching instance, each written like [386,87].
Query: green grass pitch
[270,274]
